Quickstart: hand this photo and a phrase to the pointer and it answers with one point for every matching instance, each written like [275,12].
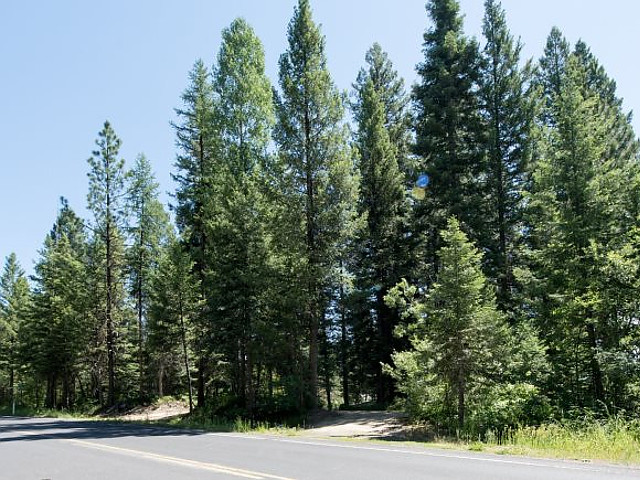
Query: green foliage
[175,305]
[508,109]
[241,259]
[460,340]
[552,67]
[14,308]
[615,439]
[244,109]
[318,179]
[449,132]
[296,235]
[582,216]
[54,340]
[148,230]
[381,253]
[391,89]
[197,139]
[106,201]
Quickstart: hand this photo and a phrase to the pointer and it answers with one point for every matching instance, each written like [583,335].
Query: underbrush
[615,439]
[23,411]
[205,421]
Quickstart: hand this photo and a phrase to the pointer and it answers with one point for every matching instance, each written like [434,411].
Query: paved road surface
[37,449]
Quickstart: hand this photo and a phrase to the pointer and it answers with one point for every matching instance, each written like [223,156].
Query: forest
[466,249]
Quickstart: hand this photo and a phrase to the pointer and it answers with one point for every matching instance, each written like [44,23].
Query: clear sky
[66,66]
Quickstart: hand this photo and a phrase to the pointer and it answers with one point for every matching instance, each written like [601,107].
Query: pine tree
[618,197]
[197,140]
[245,114]
[584,211]
[382,203]
[390,86]
[449,130]
[174,308]
[196,137]
[508,109]
[106,202]
[552,69]
[622,142]
[14,305]
[566,201]
[460,338]
[319,173]
[55,338]
[148,231]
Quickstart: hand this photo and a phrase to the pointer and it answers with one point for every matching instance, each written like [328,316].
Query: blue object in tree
[423,180]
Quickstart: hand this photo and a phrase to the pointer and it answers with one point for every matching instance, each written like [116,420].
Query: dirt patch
[163,411]
[363,424]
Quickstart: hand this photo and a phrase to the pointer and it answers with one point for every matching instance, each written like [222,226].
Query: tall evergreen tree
[552,69]
[54,343]
[622,142]
[14,304]
[175,304]
[390,86]
[382,203]
[245,114]
[312,141]
[459,337]
[196,162]
[106,202]
[584,210]
[508,109]
[566,200]
[449,129]
[148,230]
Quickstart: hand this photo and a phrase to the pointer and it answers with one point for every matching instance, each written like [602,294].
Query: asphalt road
[37,449]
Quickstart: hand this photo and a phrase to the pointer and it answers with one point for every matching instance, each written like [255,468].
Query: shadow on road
[14,429]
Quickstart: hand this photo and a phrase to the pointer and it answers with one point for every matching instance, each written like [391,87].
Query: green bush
[504,407]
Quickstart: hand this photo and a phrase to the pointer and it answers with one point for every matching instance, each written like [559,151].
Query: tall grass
[615,439]
[221,424]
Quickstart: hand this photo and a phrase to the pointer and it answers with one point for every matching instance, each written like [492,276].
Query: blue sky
[69,65]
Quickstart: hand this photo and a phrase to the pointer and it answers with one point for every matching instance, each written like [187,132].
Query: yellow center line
[237,472]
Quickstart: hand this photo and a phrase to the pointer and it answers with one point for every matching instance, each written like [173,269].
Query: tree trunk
[11,385]
[596,372]
[161,379]
[139,301]
[343,346]
[183,336]
[504,269]
[314,291]
[250,386]
[201,395]
[385,327]
[313,361]
[37,393]
[243,372]
[461,406]
[111,369]
[65,390]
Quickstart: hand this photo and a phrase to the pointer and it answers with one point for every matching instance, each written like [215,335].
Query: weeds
[614,439]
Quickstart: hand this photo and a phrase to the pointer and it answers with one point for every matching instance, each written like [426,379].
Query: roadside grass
[221,424]
[44,412]
[614,440]
[194,421]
